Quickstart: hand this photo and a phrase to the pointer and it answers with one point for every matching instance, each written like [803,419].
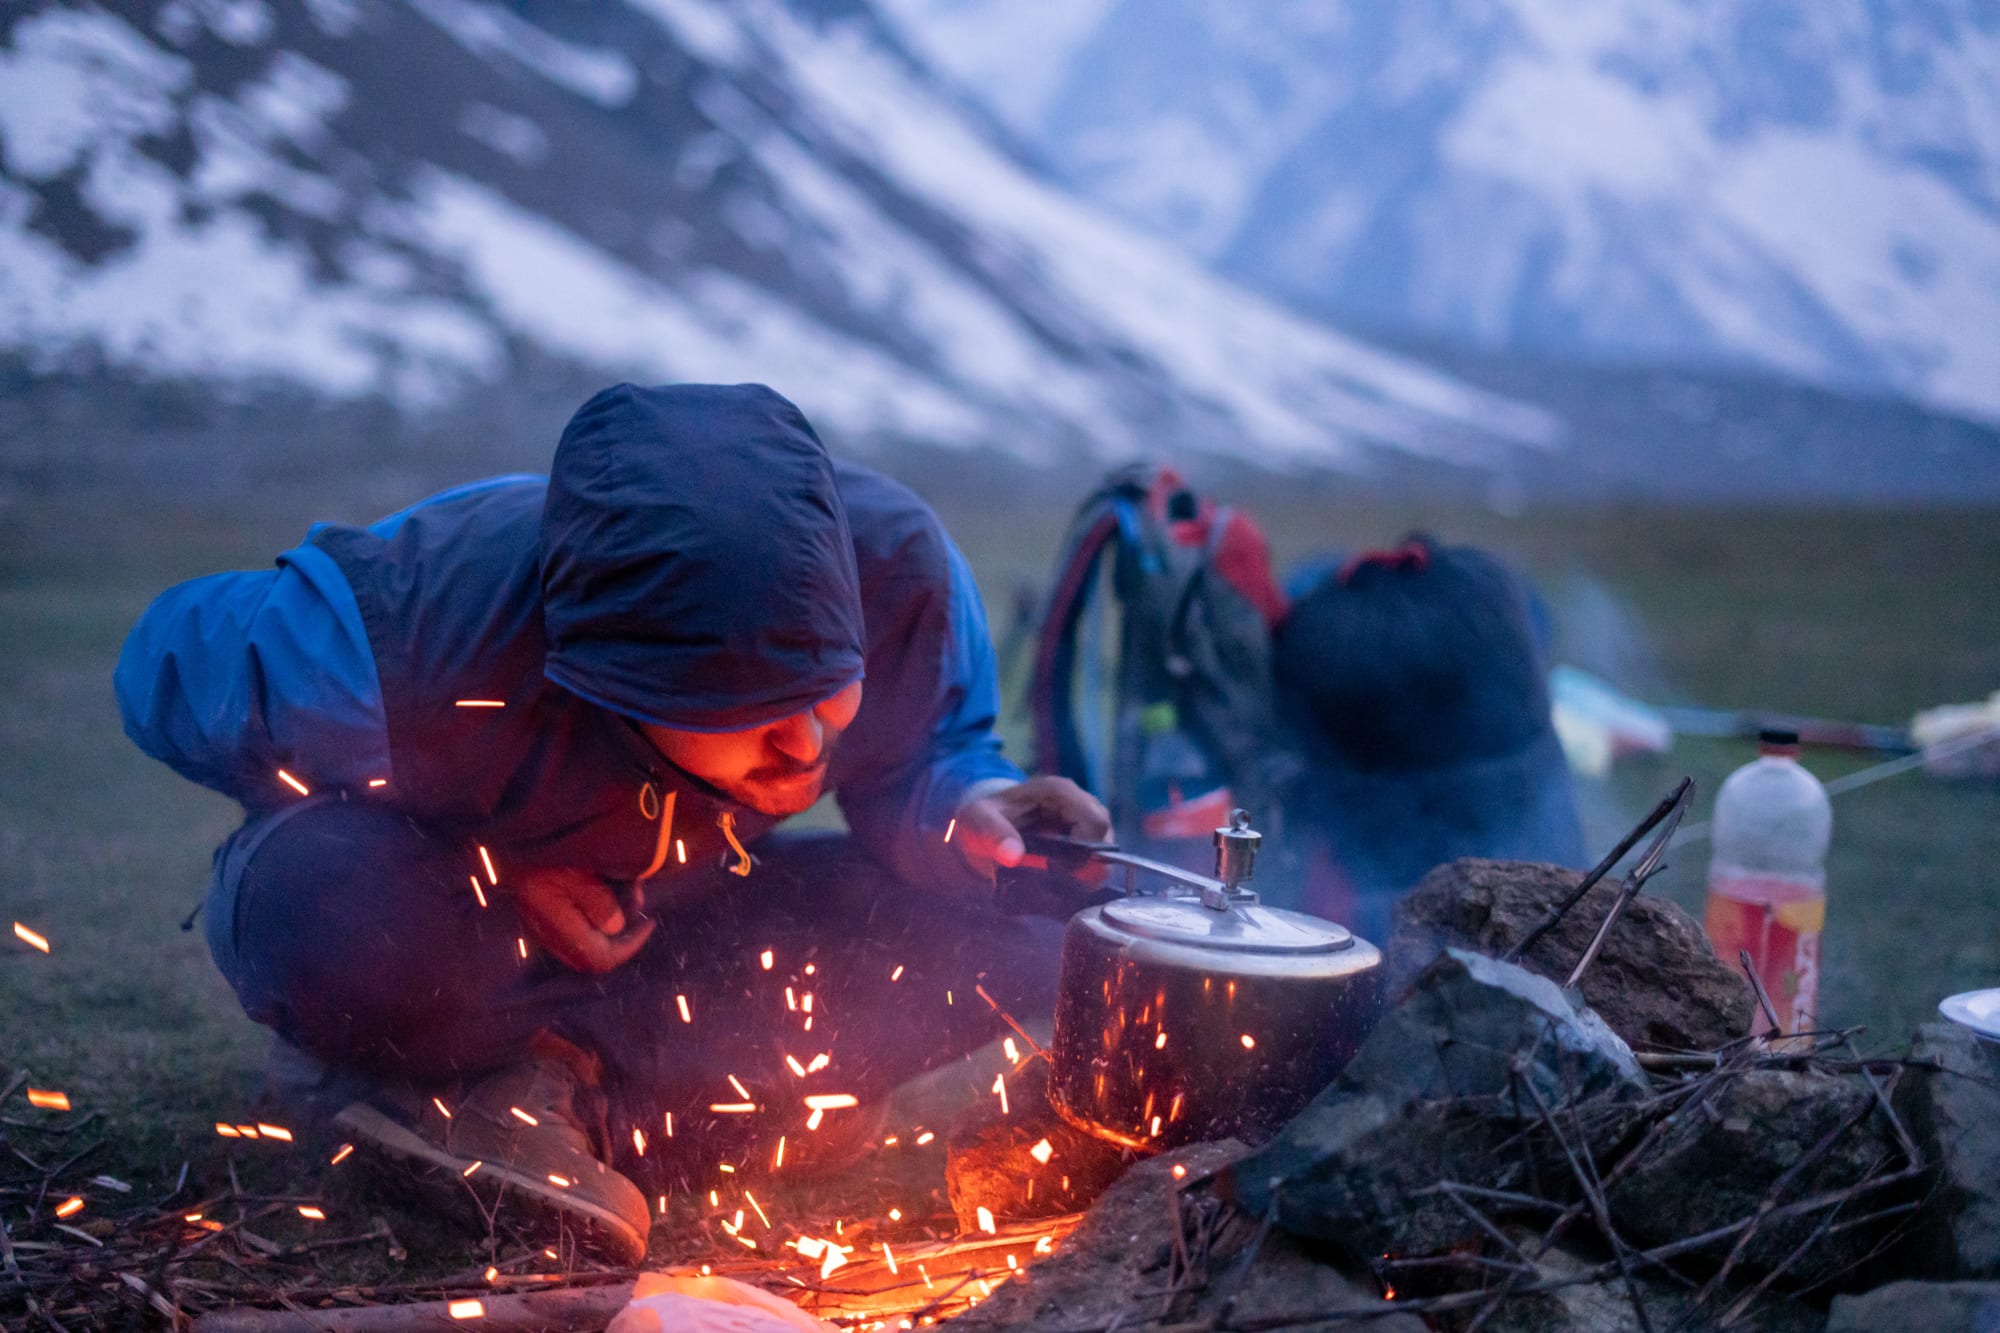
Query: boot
[531,1133]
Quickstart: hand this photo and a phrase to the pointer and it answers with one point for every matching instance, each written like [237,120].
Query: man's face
[776,769]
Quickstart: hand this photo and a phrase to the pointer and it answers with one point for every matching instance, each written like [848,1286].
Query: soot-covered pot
[1191,1017]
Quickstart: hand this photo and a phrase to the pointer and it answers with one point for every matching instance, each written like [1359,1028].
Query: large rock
[1933,1307]
[1714,1165]
[1431,1096]
[1954,1112]
[1657,981]
[1116,1266]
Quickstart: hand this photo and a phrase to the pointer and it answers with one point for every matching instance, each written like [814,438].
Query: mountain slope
[365,197]
[1811,189]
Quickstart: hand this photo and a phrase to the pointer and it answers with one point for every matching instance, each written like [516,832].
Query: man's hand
[990,824]
[575,916]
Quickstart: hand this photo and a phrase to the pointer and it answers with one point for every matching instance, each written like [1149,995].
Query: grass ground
[1849,614]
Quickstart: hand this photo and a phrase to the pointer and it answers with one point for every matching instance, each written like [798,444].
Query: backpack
[1187,729]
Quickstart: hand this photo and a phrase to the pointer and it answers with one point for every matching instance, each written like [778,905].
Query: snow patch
[487,30]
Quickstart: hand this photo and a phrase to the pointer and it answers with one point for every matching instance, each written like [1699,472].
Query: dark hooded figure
[509,759]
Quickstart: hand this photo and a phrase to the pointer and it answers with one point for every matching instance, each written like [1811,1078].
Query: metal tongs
[1236,847]
[1666,818]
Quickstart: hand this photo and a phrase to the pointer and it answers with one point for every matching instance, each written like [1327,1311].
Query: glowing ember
[1249,1042]
[312,1214]
[378,782]
[191,1217]
[670,1124]
[522,1116]
[638,1140]
[293,783]
[811,968]
[797,1068]
[950,829]
[752,1200]
[1012,1052]
[481,703]
[491,1273]
[486,860]
[346,1151]
[819,1062]
[48,1101]
[737,1084]
[832,1101]
[806,1002]
[889,1256]
[727,1169]
[791,999]
[895,1214]
[560,1182]
[227,1131]
[897,975]
[1160,1042]
[986,1220]
[521,946]
[467,1173]
[924,1138]
[477,892]
[1045,1245]
[680,851]
[732,1108]
[1000,1090]
[767,959]
[779,1159]
[466,1310]
[33,939]
[813,1121]
[687,1016]
[1042,1152]
[69,1207]
[1156,1126]
[247,1131]
[443,1110]
[278,1132]
[1180,1172]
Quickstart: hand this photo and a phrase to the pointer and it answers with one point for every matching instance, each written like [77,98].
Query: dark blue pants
[352,932]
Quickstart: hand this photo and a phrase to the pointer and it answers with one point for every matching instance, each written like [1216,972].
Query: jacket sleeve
[903,821]
[227,679]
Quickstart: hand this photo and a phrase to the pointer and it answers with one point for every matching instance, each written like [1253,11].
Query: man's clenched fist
[990,823]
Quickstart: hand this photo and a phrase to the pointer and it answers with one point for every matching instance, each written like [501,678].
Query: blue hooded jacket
[695,559]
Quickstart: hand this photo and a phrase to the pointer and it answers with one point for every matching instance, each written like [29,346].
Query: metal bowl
[1177,1023]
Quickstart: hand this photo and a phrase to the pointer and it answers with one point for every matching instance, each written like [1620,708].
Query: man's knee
[342,933]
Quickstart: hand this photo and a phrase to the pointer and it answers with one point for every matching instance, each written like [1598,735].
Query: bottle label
[1778,922]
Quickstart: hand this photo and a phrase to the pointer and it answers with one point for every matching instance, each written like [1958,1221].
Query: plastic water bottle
[1767,879]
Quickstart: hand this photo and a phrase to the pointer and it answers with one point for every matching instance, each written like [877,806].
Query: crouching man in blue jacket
[509,758]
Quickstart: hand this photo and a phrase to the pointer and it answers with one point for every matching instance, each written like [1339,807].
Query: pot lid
[1244,928]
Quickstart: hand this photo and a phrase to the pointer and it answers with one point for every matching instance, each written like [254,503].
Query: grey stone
[1954,1112]
[1657,981]
[1116,1264]
[1934,1307]
[1430,1097]
[1469,1021]
[1605,1305]
[1715,1164]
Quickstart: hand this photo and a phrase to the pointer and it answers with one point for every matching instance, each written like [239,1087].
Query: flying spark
[924,1138]
[682,1001]
[466,1310]
[819,1062]
[986,1221]
[32,938]
[732,1108]
[1000,1090]
[486,860]
[813,1120]
[779,1160]
[482,703]
[378,782]
[278,1132]
[346,1151]
[767,959]
[897,975]
[312,1214]
[832,1101]
[69,1207]
[523,1116]
[477,892]
[1042,1151]
[680,851]
[797,1068]
[1249,1042]
[293,783]
[737,1084]
[48,1101]
[638,1140]
[443,1110]
[1160,1042]
[467,1173]
[950,829]
[752,1200]
[1012,1051]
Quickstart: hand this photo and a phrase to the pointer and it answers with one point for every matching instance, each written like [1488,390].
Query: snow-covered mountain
[1807,188]
[406,197]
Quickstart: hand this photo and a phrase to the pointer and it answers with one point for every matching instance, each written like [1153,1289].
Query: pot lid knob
[1236,847]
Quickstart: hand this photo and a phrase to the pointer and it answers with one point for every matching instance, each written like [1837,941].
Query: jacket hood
[697,569]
